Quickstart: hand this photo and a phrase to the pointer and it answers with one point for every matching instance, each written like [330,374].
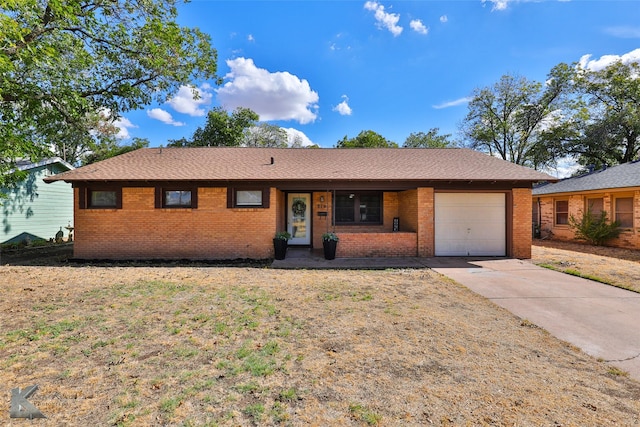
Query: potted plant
[329,244]
[280,243]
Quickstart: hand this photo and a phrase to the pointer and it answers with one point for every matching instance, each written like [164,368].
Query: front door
[299,218]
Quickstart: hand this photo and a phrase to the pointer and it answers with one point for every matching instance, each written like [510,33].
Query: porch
[306,258]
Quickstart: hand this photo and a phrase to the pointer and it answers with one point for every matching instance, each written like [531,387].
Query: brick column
[521,220]
[425,222]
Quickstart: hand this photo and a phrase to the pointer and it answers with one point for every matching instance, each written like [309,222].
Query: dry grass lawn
[193,346]
[614,266]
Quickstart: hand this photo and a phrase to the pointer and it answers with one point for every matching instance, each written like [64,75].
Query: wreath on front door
[299,207]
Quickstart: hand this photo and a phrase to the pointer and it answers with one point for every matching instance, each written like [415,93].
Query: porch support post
[426,221]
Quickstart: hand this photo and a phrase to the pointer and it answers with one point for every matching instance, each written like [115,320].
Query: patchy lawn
[614,266]
[253,346]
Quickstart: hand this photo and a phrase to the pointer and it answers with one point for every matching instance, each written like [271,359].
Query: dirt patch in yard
[615,266]
[254,346]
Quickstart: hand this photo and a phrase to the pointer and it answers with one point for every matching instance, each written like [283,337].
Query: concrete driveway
[602,320]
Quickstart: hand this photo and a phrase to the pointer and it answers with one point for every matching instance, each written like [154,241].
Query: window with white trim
[624,211]
[561,214]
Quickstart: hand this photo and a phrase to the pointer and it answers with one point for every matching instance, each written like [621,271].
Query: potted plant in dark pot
[280,243]
[329,244]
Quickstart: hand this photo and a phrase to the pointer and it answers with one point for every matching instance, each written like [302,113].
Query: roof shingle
[620,176]
[255,164]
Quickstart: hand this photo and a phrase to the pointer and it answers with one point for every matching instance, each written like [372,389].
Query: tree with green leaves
[431,139]
[221,129]
[265,135]
[366,139]
[113,148]
[515,119]
[64,62]
[611,127]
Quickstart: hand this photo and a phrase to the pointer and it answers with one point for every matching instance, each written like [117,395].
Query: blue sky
[326,69]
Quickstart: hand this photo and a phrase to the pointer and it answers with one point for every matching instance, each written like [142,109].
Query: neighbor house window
[624,211]
[248,198]
[358,208]
[595,206]
[100,198]
[562,212]
[176,198]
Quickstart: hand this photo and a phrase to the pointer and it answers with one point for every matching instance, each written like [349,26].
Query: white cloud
[624,32]
[163,116]
[186,103]
[343,108]
[385,19]
[606,60]
[251,38]
[274,96]
[444,19]
[122,123]
[417,26]
[294,135]
[340,42]
[498,4]
[565,168]
[454,103]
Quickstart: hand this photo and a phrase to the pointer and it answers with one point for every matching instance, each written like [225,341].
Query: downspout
[539,219]
[539,213]
[333,210]
[327,194]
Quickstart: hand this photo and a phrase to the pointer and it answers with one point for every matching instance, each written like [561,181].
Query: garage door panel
[470,224]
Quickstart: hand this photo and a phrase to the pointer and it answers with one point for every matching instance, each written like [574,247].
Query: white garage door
[470,224]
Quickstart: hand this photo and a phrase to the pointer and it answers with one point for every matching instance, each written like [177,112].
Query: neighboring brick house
[32,210]
[615,190]
[228,202]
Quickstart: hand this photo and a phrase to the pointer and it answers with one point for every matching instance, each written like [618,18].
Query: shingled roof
[620,176]
[287,164]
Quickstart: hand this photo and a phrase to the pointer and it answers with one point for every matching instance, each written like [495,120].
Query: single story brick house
[228,203]
[615,190]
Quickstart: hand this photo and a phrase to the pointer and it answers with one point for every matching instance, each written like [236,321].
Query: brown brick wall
[212,231]
[629,238]
[426,221]
[321,224]
[521,223]
[139,231]
[357,245]
[408,210]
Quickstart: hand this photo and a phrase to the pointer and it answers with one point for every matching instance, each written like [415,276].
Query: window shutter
[230,191]
[158,198]
[82,197]
[119,198]
[194,198]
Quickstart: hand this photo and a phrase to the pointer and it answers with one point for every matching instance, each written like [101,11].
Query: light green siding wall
[35,207]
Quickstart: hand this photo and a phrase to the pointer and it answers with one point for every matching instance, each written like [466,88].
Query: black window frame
[160,197]
[86,196]
[356,196]
[232,197]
